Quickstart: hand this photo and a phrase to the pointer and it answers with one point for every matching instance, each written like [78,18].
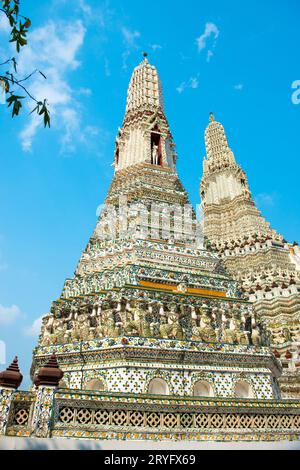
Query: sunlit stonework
[155,340]
[257,256]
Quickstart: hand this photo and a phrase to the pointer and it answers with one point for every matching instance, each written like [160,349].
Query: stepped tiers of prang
[265,265]
[152,338]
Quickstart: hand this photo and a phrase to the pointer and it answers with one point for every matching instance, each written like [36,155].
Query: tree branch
[10,8]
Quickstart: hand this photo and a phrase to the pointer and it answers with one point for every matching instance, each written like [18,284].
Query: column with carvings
[46,381]
[10,380]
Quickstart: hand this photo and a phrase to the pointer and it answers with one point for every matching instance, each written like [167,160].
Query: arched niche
[243,390]
[62,384]
[95,384]
[203,389]
[117,154]
[158,387]
[156,146]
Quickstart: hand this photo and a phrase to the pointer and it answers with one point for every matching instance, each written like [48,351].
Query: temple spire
[145,135]
[222,178]
[145,90]
[217,147]
[11,377]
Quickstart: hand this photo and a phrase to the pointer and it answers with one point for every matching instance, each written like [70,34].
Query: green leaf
[27,23]
[13,98]
[14,64]
[11,20]
[15,101]
[43,74]
[35,109]
[45,112]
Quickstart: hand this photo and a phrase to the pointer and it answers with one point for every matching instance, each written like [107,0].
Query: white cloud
[9,315]
[74,127]
[3,265]
[130,36]
[210,30]
[125,56]
[239,87]
[155,47]
[99,15]
[4,23]
[130,40]
[209,55]
[181,87]
[85,91]
[85,7]
[54,48]
[191,83]
[2,352]
[106,67]
[35,328]
[265,200]
[28,133]
[54,44]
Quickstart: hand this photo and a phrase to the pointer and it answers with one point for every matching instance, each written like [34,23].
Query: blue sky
[236,59]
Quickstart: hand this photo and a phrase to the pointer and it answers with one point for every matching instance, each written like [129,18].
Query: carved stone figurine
[106,326]
[112,329]
[230,333]
[139,326]
[54,331]
[46,330]
[83,325]
[155,155]
[295,333]
[73,313]
[59,331]
[165,330]
[75,331]
[235,334]
[255,336]
[276,334]
[196,331]
[177,331]
[206,331]
[287,335]
[242,336]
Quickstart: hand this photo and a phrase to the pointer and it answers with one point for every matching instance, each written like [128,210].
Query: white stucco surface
[12,443]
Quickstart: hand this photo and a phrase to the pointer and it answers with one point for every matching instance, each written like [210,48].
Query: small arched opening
[203,389]
[117,154]
[158,387]
[62,384]
[156,147]
[95,384]
[243,390]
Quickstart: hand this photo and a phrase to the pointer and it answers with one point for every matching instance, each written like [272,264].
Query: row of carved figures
[282,334]
[81,285]
[88,322]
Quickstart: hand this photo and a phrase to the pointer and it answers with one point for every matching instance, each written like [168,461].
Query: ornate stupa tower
[150,339]
[148,309]
[267,267]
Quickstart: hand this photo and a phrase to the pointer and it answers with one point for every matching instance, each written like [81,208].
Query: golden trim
[189,290]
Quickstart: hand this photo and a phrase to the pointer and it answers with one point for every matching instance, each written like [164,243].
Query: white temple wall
[180,382]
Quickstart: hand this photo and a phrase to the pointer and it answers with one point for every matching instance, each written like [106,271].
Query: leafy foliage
[42,110]
[15,101]
[19,28]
